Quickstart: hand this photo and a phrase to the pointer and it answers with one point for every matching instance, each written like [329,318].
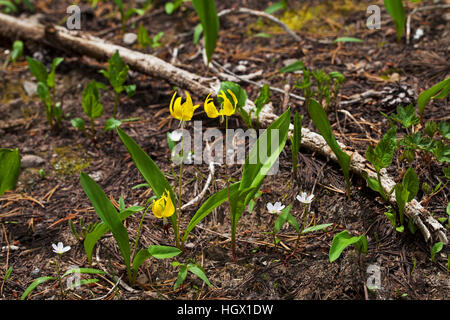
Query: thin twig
[262,15]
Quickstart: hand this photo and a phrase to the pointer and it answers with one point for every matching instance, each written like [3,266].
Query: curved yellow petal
[169,208]
[178,109]
[157,208]
[228,108]
[210,108]
[171,105]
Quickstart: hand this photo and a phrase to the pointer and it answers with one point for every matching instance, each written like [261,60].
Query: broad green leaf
[9,169]
[91,101]
[348,39]
[207,12]
[199,272]
[382,155]
[296,140]
[163,252]
[8,274]
[401,197]
[139,259]
[38,70]
[108,214]
[276,7]
[101,228]
[263,98]
[182,274]
[439,90]
[208,206]
[10,7]
[143,38]
[116,72]
[51,76]
[43,93]
[295,66]
[437,247]
[197,33]
[411,182]
[374,185]
[342,240]
[317,228]
[397,12]
[320,119]
[34,284]
[112,124]
[282,219]
[150,171]
[240,93]
[392,218]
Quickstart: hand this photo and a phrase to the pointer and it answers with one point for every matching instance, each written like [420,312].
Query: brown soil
[261,271]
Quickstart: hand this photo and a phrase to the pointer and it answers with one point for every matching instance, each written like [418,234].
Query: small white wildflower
[176,135]
[60,249]
[304,198]
[419,33]
[275,208]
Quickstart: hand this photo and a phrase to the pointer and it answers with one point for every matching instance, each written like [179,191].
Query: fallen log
[85,44]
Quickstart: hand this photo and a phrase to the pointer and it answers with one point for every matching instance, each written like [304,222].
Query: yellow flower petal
[163,207]
[210,108]
[183,111]
[228,108]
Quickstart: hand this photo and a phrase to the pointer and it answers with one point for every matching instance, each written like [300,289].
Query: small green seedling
[17,51]
[406,192]
[381,157]
[46,89]
[342,240]
[92,106]
[437,247]
[84,230]
[117,73]
[144,39]
[192,267]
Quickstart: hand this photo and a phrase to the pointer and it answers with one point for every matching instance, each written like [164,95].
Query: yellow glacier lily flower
[182,112]
[163,207]
[227,108]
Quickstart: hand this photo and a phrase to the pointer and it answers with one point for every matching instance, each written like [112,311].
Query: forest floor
[36,214]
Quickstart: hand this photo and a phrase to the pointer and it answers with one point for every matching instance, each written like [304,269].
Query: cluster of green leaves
[342,240]
[112,221]
[46,89]
[92,106]
[286,217]
[317,84]
[144,39]
[117,73]
[192,267]
[9,169]
[13,6]
[427,140]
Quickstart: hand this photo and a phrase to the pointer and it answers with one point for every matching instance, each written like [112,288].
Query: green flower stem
[180,186]
[383,193]
[58,271]
[116,103]
[139,231]
[233,234]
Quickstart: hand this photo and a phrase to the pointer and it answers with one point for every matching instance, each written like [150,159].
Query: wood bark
[91,46]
